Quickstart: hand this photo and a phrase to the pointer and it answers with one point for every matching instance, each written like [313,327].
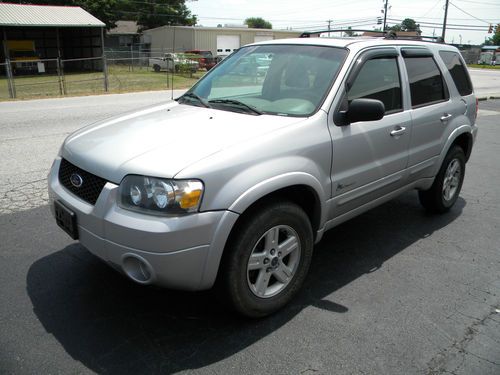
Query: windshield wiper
[236,103]
[192,95]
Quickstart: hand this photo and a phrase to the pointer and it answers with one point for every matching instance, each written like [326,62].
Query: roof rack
[391,34]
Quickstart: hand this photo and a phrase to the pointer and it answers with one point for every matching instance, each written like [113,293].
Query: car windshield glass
[287,80]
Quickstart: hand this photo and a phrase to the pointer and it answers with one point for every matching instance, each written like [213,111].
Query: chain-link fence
[5,88]
[117,71]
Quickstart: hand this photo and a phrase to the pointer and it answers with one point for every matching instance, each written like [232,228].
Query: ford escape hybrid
[234,182]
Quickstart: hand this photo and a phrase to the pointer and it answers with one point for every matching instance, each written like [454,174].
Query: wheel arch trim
[279,182]
[243,202]
[454,135]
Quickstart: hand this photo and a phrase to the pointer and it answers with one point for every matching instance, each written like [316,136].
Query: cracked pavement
[392,291]
[31,133]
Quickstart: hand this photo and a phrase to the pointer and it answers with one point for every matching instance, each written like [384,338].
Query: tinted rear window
[426,82]
[457,71]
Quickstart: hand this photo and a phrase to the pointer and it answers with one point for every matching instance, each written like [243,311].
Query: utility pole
[385,15]
[444,21]
[329,28]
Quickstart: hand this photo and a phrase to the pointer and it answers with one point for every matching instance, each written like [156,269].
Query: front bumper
[177,252]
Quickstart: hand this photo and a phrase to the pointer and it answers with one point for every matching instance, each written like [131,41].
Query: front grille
[91,185]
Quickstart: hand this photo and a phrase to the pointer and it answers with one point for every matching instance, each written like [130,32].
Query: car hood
[162,140]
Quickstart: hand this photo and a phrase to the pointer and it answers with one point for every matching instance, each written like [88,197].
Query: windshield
[272,79]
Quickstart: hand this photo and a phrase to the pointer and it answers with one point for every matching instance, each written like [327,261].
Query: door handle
[399,130]
[446,117]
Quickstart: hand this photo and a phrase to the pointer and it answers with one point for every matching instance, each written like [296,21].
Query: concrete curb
[488,96]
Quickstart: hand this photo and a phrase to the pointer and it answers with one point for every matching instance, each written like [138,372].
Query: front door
[369,158]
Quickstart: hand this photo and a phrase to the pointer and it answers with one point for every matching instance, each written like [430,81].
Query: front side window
[379,79]
[426,81]
[286,80]
[457,71]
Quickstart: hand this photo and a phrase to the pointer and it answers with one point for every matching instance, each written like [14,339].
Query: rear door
[369,158]
[432,111]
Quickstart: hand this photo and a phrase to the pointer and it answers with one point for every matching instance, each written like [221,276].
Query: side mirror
[364,110]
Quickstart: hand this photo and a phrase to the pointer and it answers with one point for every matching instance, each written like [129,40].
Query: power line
[438,24]
[450,18]
[430,10]
[479,2]
[463,11]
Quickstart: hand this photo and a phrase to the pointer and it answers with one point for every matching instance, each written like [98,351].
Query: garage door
[226,44]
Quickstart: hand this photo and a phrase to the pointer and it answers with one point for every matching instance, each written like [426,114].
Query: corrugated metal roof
[46,15]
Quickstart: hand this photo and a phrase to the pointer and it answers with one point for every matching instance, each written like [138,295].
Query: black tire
[234,276]
[434,199]
[156,68]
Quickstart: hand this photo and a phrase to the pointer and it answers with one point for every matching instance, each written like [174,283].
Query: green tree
[495,39]
[258,23]
[156,13]
[395,28]
[407,24]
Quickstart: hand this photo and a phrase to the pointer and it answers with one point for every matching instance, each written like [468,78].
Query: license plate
[66,219]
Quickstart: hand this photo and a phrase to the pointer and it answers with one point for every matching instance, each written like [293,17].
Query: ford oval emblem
[76,180]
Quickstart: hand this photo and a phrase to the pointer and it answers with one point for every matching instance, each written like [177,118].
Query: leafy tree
[407,24]
[258,23]
[395,28]
[156,13]
[495,39]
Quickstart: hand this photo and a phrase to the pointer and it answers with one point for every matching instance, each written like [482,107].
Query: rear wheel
[156,67]
[446,188]
[267,260]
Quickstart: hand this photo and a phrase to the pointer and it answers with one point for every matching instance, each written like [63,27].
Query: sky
[314,15]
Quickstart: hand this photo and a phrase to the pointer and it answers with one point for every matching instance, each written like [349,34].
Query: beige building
[220,40]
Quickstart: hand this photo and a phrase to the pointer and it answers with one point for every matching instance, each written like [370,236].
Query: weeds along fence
[114,72]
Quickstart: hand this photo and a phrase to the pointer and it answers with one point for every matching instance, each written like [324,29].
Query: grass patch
[121,79]
[483,66]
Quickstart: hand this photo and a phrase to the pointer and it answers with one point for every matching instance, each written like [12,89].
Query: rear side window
[426,81]
[379,79]
[457,71]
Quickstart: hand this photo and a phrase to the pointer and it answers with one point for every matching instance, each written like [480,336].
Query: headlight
[160,196]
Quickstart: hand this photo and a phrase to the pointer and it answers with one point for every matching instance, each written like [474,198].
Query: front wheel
[267,260]
[446,187]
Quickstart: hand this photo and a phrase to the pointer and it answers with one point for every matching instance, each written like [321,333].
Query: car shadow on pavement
[112,325]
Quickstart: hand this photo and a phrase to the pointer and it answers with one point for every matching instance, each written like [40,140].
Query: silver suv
[234,182]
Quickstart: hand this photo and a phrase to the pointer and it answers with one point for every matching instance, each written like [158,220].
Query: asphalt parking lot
[392,291]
